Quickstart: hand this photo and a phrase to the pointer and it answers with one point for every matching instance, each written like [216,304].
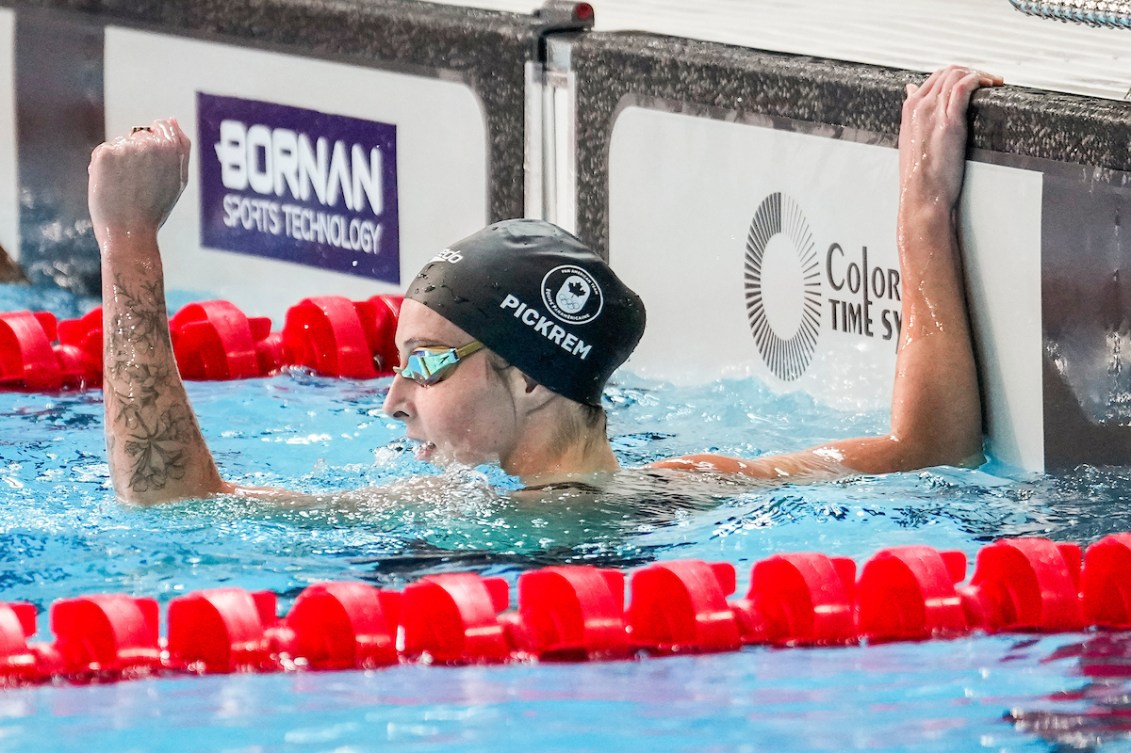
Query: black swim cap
[541,299]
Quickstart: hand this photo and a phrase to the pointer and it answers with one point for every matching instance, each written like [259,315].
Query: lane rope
[212,340]
[579,613]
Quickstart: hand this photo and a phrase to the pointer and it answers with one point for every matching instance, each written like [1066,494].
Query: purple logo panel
[299,185]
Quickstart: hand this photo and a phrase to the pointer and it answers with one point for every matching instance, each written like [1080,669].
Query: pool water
[62,533]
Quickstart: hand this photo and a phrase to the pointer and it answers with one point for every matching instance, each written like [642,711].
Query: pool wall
[749,196]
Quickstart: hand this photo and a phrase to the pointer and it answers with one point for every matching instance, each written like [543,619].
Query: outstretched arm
[153,442]
[936,414]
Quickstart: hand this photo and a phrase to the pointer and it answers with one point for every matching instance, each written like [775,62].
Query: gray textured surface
[914,35]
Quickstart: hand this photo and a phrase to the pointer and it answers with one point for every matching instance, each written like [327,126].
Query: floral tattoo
[138,373]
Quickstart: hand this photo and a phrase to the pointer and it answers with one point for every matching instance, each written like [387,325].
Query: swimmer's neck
[540,464]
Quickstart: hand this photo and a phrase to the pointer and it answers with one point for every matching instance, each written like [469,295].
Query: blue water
[62,533]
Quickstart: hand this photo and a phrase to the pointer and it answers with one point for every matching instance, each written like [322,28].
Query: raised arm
[936,416]
[153,442]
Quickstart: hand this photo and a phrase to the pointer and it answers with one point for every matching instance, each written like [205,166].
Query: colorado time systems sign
[795,289]
[299,185]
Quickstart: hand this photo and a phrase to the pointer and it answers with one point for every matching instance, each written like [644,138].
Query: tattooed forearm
[146,406]
[158,452]
[137,325]
[154,446]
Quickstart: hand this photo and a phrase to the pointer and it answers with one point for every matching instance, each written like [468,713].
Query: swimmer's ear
[534,397]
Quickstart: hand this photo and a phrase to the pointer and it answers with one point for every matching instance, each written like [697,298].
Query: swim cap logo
[449,255]
[572,295]
[783,286]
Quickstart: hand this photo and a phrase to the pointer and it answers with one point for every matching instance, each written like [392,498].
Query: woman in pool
[508,337]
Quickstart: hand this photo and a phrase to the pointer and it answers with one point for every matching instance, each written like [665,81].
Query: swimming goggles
[433,364]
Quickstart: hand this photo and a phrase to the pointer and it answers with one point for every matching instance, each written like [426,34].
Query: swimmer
[508,337]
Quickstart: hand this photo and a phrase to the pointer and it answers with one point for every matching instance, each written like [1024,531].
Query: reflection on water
[935,697]
[1087,717]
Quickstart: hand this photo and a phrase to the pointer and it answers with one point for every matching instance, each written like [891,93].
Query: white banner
[440,153]
[772,253]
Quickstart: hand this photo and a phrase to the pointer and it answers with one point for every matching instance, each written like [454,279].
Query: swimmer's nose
[396,404]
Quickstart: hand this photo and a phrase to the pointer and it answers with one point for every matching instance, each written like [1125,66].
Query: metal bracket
[1110,13]
[551,129]
[557,16]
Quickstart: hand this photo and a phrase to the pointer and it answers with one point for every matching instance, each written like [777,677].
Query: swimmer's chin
[429,452]
[424,451]
[447,457]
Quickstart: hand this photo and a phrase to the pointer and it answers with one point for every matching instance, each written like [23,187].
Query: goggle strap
[466,350]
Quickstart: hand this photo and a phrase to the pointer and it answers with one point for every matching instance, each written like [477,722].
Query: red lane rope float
[908,593]
[28,360]
[212,340]
[577,613]
[344,626]
[571,613]
[215,340]
[680,607]
[338,337]
[800,599]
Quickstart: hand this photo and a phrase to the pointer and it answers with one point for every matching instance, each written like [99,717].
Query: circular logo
[572,295]
[783,286]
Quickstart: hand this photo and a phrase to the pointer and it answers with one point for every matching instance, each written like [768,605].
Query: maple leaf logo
[573,294]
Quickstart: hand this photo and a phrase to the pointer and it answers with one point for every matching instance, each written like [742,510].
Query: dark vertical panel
[59,119]
[1086,316]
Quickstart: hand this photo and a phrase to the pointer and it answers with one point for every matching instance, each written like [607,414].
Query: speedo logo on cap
[448,255]
[572,295]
